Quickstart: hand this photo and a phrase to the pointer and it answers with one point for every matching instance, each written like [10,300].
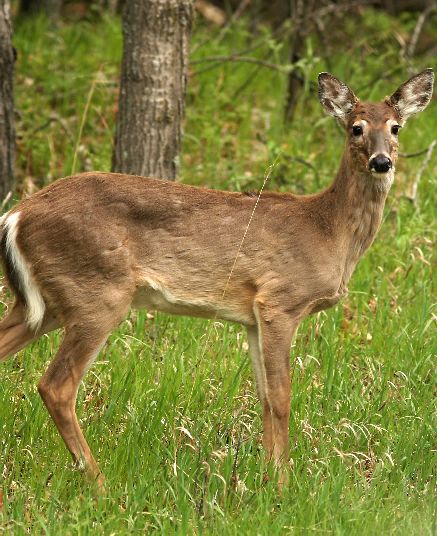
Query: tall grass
[169,408]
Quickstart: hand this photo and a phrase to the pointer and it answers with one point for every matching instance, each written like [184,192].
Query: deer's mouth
[380,174]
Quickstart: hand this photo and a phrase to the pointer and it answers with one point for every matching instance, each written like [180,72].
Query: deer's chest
[328,301]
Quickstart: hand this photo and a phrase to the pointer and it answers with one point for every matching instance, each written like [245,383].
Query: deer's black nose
[380,163]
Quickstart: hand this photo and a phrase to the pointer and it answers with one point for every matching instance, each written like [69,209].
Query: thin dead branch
[5,200]
[225,26]
[309,165]
[413,155]
[53,119]
[235,16]
[412,195]
[335,8]
[219,60]
[409,53]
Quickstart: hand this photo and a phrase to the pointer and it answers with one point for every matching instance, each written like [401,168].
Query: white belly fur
[153,295]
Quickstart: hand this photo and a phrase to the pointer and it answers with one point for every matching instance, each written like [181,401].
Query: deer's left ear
[336,97]
[414,95]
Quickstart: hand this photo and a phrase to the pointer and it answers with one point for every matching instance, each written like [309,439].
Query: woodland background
[169,407]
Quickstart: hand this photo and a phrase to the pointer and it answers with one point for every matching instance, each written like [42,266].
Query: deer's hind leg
[15,333]
[59,385]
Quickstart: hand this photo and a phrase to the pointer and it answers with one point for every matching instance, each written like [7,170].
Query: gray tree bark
[7,130]
[152,91]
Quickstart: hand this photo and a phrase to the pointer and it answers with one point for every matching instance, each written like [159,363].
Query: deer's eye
[395,130]
[357,130]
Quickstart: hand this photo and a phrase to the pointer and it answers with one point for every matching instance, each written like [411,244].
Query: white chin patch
[383,181]
[380,174]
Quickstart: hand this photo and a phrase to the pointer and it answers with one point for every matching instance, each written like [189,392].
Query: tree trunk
[153,80]
[299,12]
[51,8]
[7,131]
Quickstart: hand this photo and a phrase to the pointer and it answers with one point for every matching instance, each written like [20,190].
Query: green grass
[169,408]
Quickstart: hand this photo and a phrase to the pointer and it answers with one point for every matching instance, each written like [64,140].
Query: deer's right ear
[336,97]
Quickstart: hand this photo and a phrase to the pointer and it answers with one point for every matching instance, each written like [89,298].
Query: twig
[5,200]
[412,196]
[218,60]
[250,78]
[381,76]
[208,333]
[42,126]
[50,120]
[282,31]
[82,124]
[266,178]
[225,28]
[336,8]
[236,15]
[246,83]
[307,164]
[413,155]
[409,53]
[278,32]
[234,476]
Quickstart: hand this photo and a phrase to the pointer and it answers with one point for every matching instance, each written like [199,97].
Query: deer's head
[372,128]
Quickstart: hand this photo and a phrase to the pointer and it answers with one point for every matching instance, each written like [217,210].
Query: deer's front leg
[269,346]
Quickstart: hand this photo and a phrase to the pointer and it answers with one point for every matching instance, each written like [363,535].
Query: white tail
[35,307]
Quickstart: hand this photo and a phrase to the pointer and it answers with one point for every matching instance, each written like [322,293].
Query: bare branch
[412,195]
[334,7]
[413,155]
[218,60]
[409,53]
[311,166]
[243,5]
[5,200]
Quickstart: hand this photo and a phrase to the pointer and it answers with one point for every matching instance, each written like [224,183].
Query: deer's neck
[358,206]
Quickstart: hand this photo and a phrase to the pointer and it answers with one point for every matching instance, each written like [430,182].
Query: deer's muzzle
[380,163]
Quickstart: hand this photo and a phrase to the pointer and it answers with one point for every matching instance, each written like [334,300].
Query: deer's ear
[414,95]
[336,97]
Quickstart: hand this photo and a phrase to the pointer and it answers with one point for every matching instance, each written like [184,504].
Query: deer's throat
[359,211]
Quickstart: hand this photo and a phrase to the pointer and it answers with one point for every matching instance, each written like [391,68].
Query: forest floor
[169,408]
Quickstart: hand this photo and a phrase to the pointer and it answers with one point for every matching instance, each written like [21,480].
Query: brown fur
[100,243]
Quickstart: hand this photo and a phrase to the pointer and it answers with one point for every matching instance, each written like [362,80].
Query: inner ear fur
[414,95]
[336,97]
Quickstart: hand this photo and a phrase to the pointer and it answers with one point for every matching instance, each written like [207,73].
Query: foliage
[169,408]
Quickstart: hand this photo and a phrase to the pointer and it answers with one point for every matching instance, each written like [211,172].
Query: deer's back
[93,232]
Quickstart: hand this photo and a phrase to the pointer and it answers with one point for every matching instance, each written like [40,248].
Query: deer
[83,251]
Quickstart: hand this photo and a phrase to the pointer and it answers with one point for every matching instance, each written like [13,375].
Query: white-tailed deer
[81,252]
